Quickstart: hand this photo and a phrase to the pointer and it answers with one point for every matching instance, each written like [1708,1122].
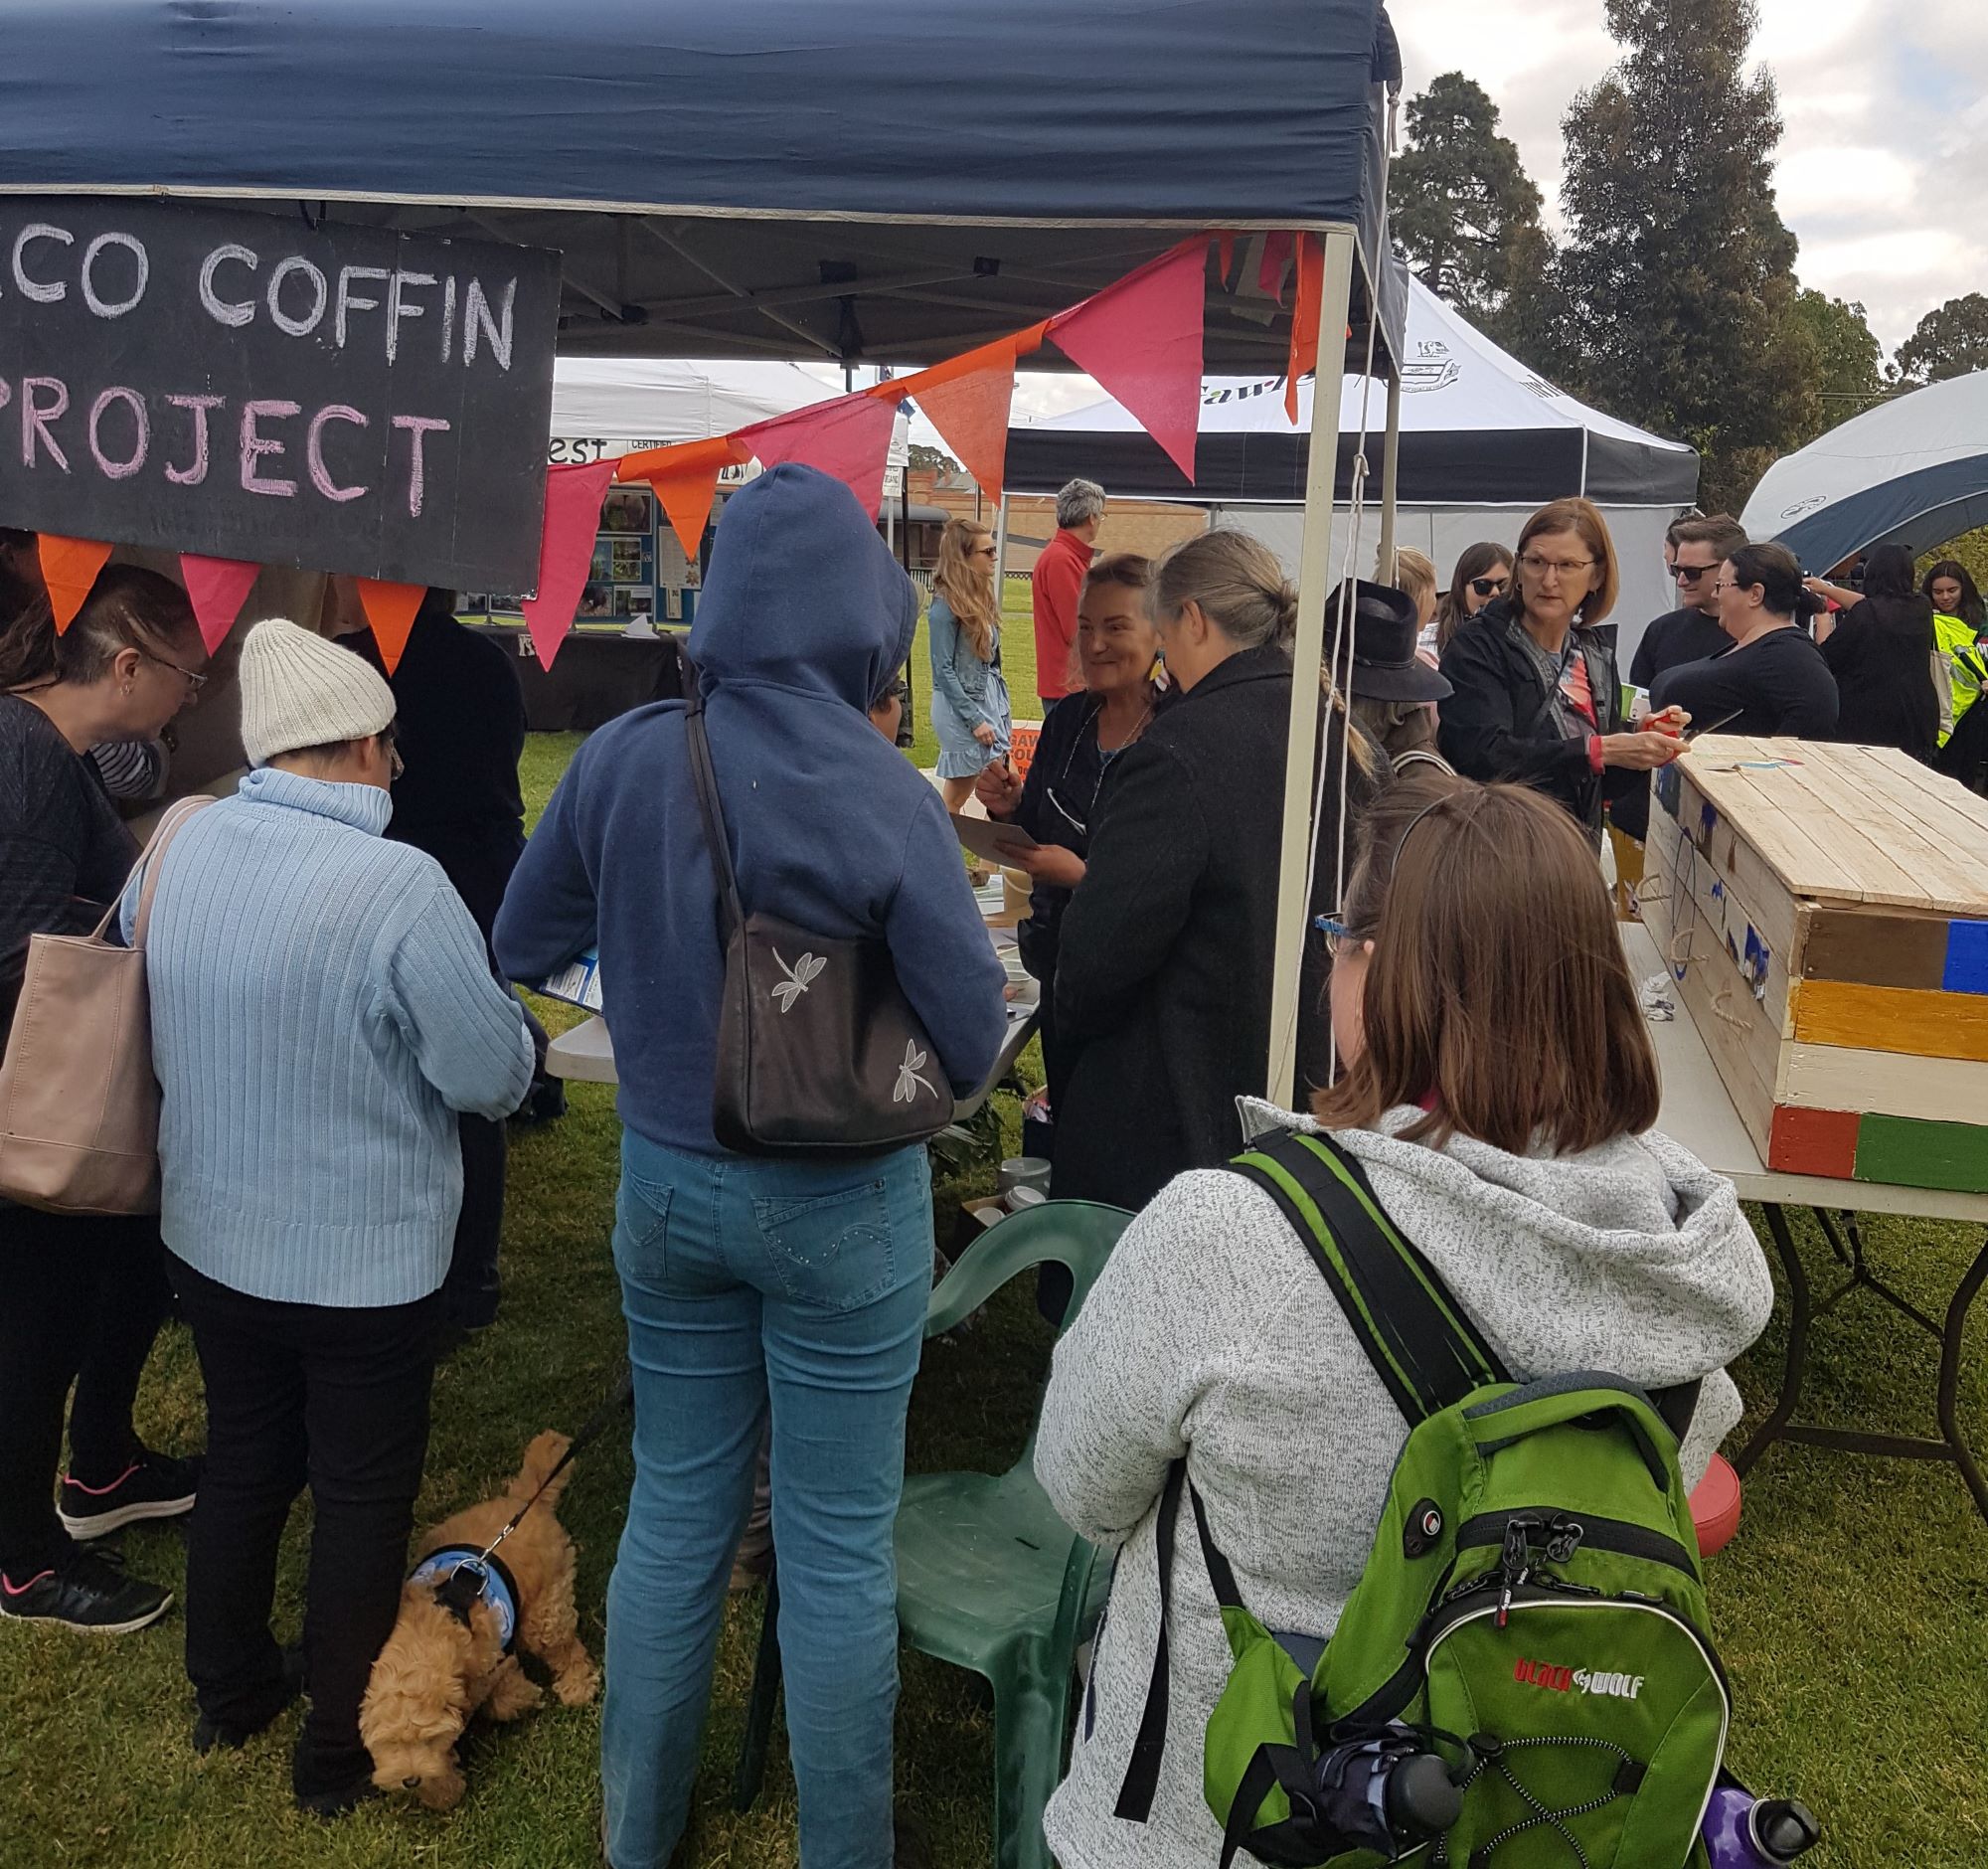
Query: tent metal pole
[1001,548]
[1391,472]
[1314,580]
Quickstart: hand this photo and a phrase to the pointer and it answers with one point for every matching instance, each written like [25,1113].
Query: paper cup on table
[1017,888]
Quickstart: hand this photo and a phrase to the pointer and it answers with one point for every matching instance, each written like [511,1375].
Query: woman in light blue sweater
[322,1008]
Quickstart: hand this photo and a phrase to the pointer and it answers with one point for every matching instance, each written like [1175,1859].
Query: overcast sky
[1883,162]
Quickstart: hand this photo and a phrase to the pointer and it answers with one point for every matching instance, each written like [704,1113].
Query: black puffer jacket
[1499,722]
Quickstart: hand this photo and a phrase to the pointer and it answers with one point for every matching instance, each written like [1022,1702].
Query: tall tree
[1675,290]
[1950,341]
[1464,210]
[1847,368]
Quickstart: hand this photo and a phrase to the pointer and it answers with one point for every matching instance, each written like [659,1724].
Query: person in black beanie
[460,730]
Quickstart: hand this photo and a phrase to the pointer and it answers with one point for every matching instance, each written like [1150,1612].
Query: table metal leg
[1797,1364]
[1952,1447]
[1950,1347]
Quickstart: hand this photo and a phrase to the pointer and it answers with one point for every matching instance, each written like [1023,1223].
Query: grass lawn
[1851,1609]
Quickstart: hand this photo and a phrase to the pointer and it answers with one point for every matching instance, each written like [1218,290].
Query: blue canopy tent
[873,181]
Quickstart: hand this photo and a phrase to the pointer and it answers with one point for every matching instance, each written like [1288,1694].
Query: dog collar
[494,1586]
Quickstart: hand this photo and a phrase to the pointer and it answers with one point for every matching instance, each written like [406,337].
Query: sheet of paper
[997,842]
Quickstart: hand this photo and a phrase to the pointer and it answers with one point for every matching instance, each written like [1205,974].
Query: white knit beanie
[300,690]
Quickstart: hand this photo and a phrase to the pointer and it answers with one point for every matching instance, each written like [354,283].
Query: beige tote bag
[78,1103]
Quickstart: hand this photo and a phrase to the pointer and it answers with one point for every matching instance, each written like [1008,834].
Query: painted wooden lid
[1850,824]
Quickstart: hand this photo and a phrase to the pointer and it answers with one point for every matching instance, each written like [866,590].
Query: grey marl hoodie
[1212,1335]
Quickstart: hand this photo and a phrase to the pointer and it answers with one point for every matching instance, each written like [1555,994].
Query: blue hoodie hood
[802,622]
[803,596]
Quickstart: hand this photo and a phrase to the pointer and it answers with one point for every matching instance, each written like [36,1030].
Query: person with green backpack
[1393,1420]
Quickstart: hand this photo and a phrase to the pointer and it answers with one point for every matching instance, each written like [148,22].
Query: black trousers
[296,1395]
[470,1292]
[81,1296]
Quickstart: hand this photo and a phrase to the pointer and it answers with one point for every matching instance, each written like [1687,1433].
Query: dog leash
[461,1590]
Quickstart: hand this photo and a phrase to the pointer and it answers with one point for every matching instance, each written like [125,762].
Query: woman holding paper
[969,703]
[1116,645]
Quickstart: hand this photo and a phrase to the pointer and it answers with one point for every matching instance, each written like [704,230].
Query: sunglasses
[1489,586]
[1689,574]
[985,551]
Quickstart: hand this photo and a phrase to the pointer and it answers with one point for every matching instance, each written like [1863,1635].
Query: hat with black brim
[1385,628]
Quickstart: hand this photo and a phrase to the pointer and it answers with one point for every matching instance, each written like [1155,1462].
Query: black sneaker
[153,1486]
[90,1593]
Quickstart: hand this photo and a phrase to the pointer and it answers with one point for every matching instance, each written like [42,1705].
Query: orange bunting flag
[684,480]
[68,569]
[389,608]
[566,551]
[1305,314]
[1143,339]
[217,589]
[967,400]
[848,438]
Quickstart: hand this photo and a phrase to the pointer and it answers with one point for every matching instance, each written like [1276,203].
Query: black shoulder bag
[819,1052]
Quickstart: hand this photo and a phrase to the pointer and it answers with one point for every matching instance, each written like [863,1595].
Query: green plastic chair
[988,1577]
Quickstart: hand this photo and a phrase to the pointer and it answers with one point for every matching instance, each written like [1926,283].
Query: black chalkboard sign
[248,386]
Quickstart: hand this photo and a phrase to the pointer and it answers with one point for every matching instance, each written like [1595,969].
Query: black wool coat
[1164,970]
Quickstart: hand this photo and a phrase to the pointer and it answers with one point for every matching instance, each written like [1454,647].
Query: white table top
[1698,1113]
[586,1054]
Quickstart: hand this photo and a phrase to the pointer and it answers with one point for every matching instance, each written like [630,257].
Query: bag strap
[151,860]
[1414,1333]
[730,910]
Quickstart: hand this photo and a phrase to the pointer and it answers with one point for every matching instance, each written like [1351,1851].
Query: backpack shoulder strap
[1414,1333]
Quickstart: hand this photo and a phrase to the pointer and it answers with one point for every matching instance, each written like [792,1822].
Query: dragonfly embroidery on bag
[909,1081]
[800,977]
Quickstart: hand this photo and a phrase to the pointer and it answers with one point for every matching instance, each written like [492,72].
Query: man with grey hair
[1058,583]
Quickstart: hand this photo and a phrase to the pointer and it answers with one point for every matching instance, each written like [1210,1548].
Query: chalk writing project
[247,386]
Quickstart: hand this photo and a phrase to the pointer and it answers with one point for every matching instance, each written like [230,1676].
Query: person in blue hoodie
[750,1283]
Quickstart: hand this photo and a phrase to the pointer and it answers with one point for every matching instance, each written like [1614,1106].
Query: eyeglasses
[1489,586]
[1334,929]
[1560,567]
[395,766]
[195,683]
[1689,574]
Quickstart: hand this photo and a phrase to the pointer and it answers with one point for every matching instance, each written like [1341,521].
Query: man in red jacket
[1059,582]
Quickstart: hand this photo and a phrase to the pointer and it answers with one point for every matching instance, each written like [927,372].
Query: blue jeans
[743,1282]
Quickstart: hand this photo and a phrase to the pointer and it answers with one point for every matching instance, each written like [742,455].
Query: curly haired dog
[435,1672]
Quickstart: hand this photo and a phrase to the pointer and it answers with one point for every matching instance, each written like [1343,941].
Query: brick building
[1148,526]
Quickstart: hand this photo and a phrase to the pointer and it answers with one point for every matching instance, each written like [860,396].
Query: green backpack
[1533,1611]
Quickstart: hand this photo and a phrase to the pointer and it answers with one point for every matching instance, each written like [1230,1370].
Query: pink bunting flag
[217,589]
[1141,339]
[566,550]
[848,438]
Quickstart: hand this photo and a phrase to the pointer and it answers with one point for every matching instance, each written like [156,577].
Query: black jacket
[1164,966]
[1498,723]
[1881,653]
[460,727]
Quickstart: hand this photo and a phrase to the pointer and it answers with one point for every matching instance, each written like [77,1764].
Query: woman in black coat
[1163,966]
[1880,648]
[1535,697]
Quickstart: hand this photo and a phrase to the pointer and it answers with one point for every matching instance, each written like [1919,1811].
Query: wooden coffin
[1824,911]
